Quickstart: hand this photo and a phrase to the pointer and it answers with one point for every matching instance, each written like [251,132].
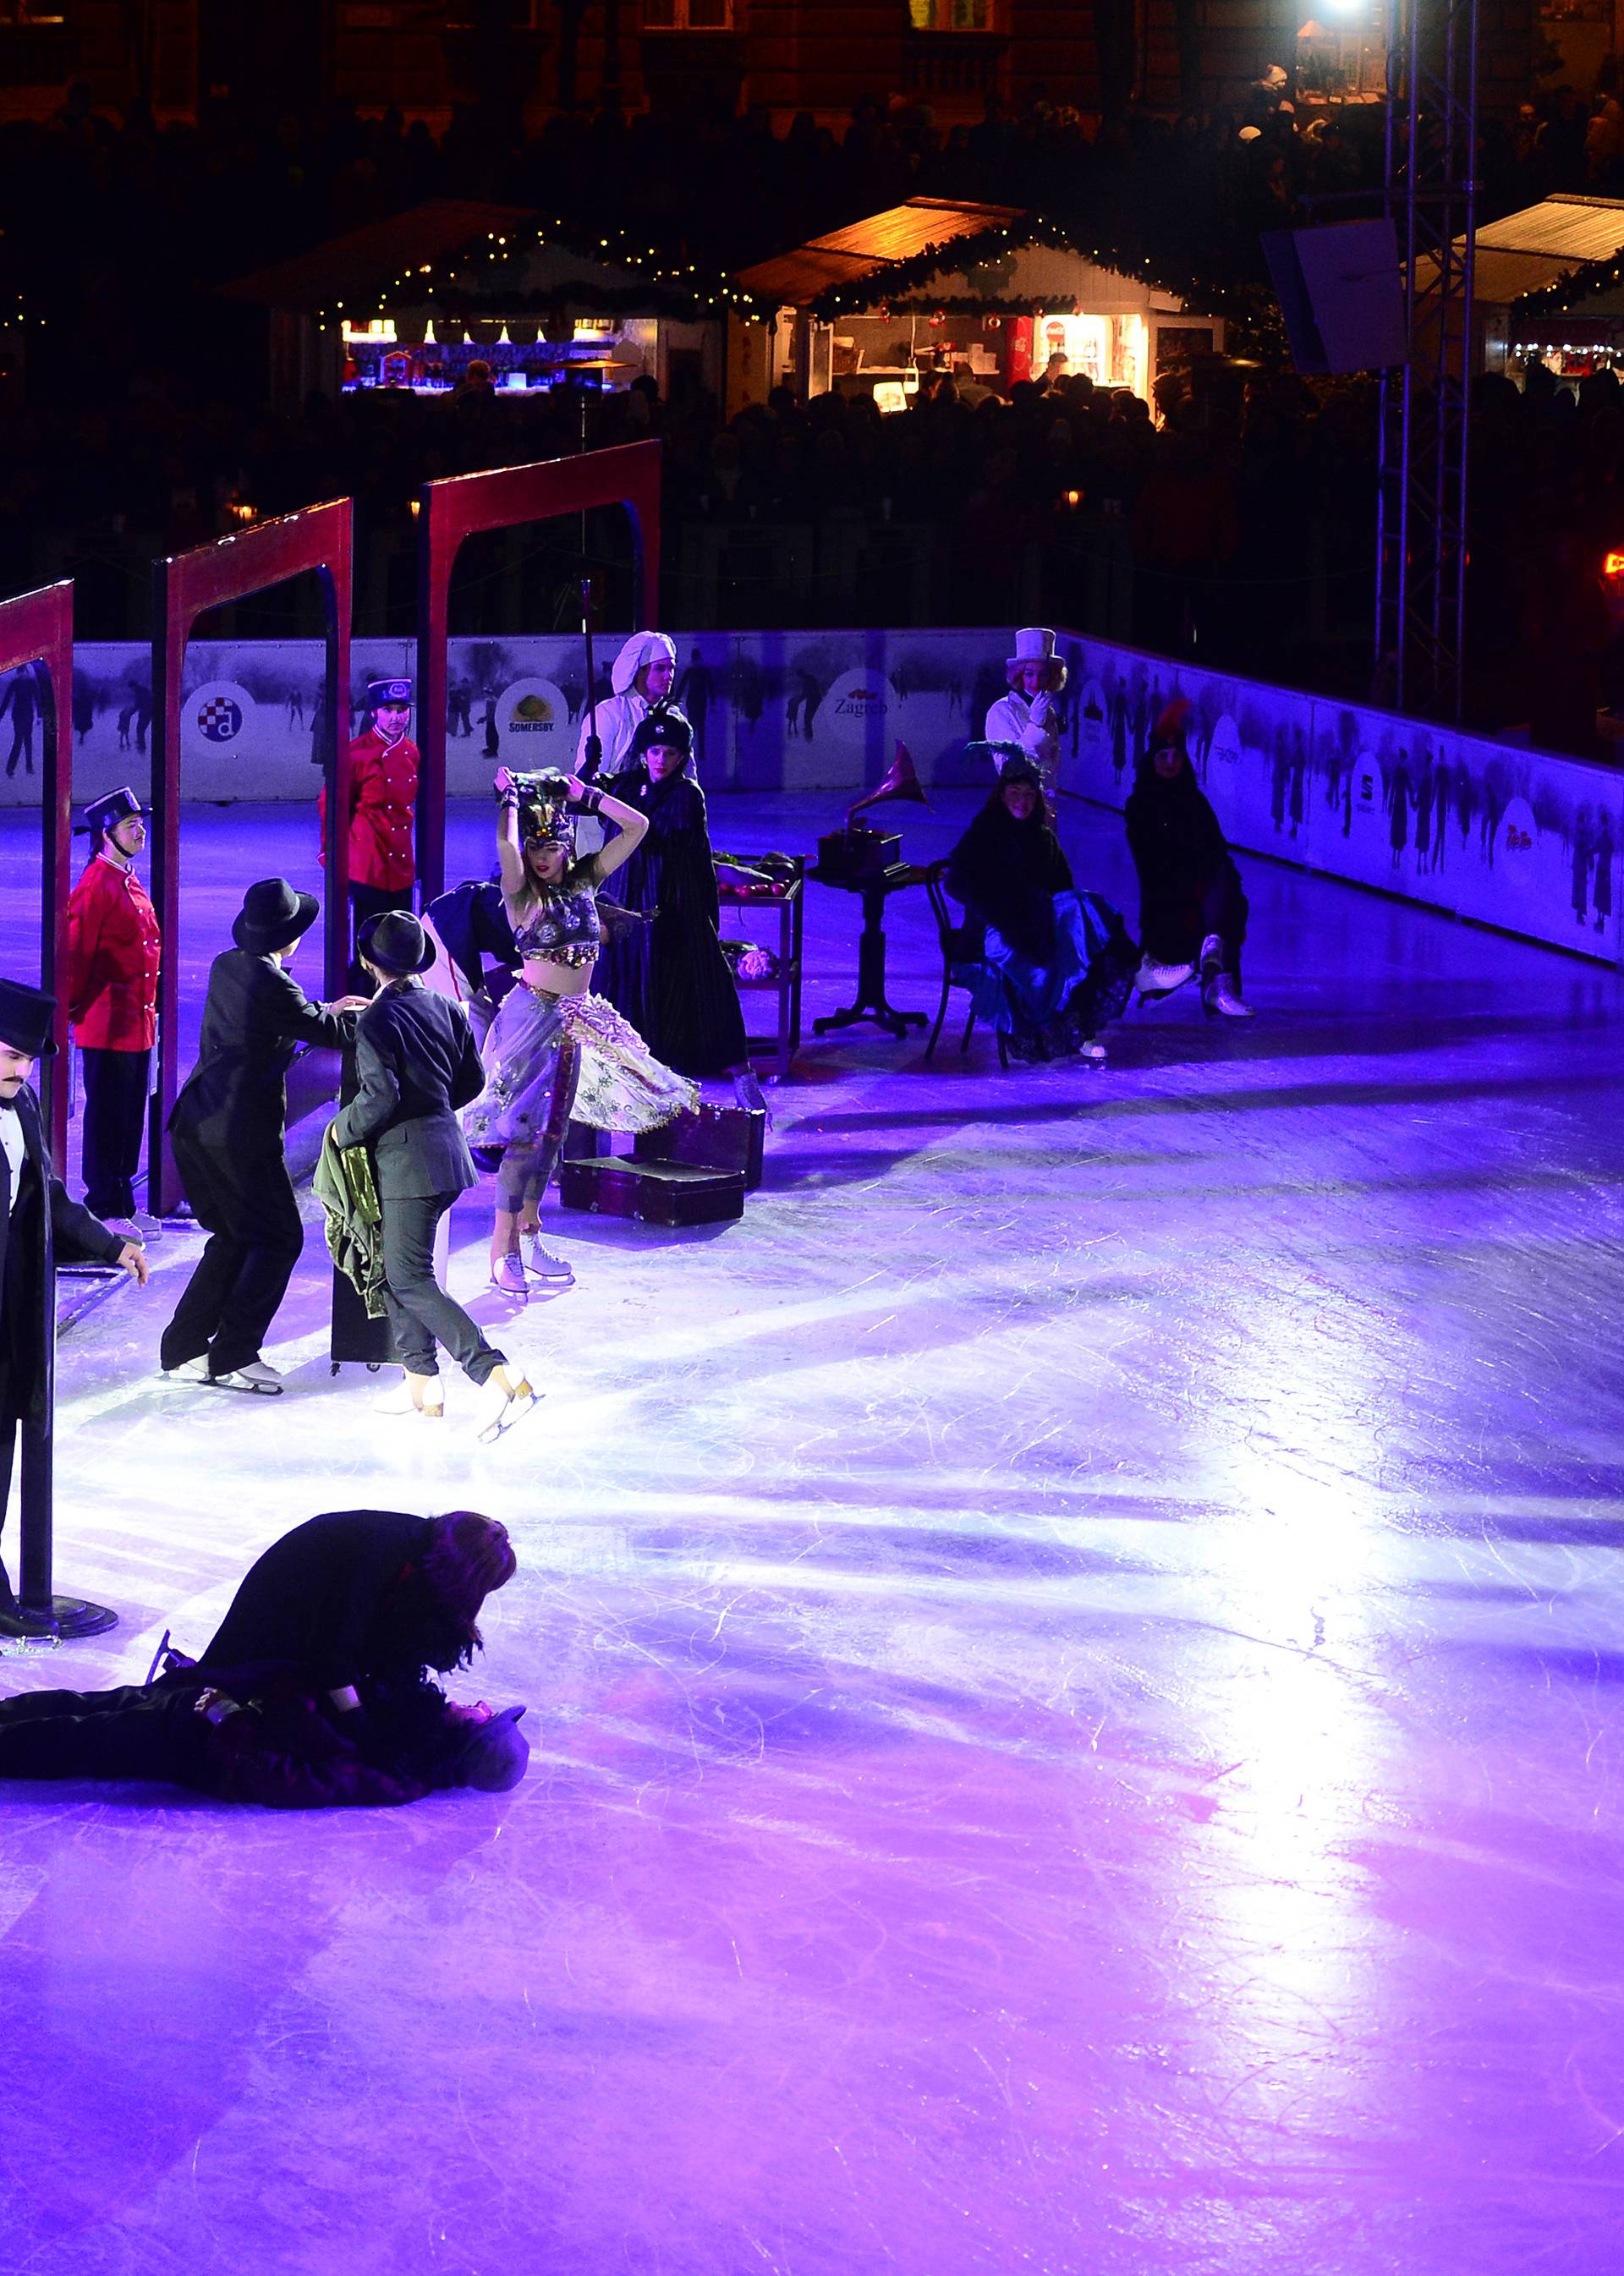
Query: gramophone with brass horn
[858,852]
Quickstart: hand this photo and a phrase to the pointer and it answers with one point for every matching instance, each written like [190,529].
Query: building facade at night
[784,55]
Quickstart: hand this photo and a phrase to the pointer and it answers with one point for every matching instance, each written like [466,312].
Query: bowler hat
[273,914]
[26,1019]
[106,813]
[396,942]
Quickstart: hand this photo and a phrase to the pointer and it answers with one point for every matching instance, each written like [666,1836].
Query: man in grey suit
[416,1063]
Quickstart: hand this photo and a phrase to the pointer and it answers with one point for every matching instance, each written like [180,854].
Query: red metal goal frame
[465,506]
[38,628]
[186,586]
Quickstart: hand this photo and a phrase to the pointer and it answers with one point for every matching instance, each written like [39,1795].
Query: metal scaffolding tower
[1422,494]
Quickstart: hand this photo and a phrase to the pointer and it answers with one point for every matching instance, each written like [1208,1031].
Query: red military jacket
[114,949]
[382,799]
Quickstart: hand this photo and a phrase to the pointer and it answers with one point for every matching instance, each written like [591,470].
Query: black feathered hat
[667,728]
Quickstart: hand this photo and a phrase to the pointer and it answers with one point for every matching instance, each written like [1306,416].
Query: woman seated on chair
[1054,964]
[1192,908]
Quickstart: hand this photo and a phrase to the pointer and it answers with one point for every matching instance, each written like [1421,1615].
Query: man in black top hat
[36,1216]
[228,1131]
[114,951]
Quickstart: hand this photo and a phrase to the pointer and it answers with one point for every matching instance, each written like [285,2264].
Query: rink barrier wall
[1521,839]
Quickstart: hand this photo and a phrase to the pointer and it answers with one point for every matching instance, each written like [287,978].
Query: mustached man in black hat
[228,1129]
[416,1063]
[113,957]
[384,764]
[38,1219]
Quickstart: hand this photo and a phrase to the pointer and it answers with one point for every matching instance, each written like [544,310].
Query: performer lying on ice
[1054,964]
[554,1049]
[316,1692]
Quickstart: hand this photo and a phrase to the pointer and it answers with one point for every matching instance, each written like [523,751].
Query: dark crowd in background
[1239,529]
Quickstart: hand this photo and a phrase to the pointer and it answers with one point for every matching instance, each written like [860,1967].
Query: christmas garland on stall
[894,282]
[1574,286]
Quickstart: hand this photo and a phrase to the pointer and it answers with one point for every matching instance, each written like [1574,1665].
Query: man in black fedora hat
[228,1131]
[36,1218]
[416,1063]
[114,951]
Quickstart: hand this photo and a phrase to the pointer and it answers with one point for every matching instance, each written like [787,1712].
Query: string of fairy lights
[682,282]
[1567,291]
[461,285]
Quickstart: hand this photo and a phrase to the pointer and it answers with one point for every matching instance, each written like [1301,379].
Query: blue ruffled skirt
[1085,983]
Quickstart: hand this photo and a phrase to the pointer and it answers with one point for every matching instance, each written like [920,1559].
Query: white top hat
[1036,645]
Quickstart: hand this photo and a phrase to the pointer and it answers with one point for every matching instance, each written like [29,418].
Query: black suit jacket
[255,1020]
[44,1220]
[416,1062]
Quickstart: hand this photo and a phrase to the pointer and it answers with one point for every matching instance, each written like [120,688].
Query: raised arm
[510,853]
[631,825]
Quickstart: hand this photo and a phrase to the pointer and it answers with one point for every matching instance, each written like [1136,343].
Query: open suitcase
[721,1136]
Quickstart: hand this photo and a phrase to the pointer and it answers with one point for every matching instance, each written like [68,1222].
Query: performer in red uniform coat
[384,763]
[114,949]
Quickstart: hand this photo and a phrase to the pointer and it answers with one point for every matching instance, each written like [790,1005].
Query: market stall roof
[884,241]
[355,268]
[1564,237]
[941,253]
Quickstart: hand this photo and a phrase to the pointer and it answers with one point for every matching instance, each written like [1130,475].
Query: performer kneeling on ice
[229,1130]
[554,1049]
[417,1063]
[1054,963]
[34,1211]
[316,1692]
[1192,908]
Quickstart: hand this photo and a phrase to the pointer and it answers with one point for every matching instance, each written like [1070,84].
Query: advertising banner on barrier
[1522,840]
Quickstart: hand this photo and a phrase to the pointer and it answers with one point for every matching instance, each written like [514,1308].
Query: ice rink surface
[1074,1661]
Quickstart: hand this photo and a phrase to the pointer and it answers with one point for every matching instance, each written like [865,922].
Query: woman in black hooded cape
[669,977]
[1192,908]
[1055,963]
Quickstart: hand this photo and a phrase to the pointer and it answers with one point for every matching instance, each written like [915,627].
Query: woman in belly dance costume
[555,1050]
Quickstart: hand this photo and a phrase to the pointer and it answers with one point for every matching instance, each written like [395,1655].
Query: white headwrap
[641,648]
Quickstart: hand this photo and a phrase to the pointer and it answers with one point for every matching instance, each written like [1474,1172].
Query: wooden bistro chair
[956,944]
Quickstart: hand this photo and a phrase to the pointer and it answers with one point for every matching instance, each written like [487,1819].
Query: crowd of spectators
[1235,516]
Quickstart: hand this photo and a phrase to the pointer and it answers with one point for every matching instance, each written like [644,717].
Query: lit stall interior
[431,356]
[882,352]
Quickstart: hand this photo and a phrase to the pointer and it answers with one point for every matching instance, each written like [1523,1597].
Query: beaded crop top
[563,925]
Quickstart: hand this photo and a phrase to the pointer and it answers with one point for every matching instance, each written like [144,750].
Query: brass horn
[900,782]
